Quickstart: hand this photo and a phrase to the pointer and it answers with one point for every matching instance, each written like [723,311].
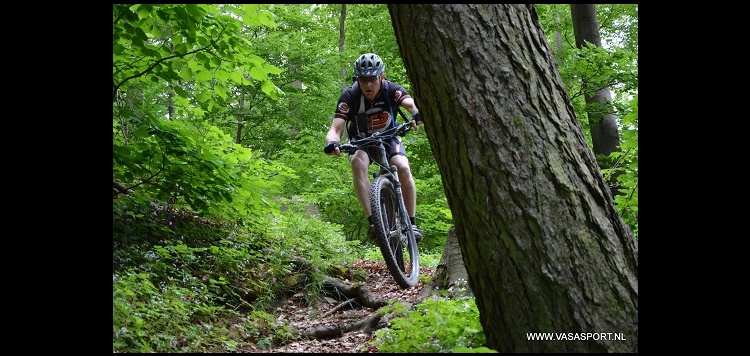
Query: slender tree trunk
[603,123]
[450,273]
[558,41]
[543,244]
[240,120]
[342,37]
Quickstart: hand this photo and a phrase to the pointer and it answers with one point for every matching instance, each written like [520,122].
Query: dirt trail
[295,313]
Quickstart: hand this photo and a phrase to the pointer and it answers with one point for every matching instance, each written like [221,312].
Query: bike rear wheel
[394,233]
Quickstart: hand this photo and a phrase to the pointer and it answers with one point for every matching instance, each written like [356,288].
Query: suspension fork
[392,170]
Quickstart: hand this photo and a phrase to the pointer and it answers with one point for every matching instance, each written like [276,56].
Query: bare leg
[408,188]
[360,163]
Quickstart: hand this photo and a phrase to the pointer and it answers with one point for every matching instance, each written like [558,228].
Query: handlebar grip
[330,147]
[404,128]
[347,148]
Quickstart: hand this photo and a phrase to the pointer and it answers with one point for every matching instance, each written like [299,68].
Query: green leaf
[256,61]
[204,76]
[155,31]
[272,69]
[186,74]
[181,92]
[266,19]
[203,96]
[258,74]
[194,10]
[221,75]
[221,91]
[237,77]
[270,89]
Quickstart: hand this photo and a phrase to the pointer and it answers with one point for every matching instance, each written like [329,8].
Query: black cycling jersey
[377,115]
[372,115]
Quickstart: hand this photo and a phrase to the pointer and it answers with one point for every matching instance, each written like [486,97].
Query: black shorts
[392,147]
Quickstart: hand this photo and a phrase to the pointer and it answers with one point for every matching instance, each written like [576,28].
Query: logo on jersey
[397,94]
[343,107]
[378,122]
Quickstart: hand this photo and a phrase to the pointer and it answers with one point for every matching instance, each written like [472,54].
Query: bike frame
[395,236]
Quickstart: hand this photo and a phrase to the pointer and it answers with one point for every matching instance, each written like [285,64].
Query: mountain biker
[366,107]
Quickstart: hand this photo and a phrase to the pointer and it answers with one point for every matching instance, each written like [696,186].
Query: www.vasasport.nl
[575,336]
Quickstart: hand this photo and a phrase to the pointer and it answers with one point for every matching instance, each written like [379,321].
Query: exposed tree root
[354,293]
[451,273]
[359,291]
[368,324]
[339,307]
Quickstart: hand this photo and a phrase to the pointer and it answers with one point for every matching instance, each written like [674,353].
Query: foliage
[175,317]
[428,258]
[325,182]
[371,252]
[170,162]
[369,29]
[164,298]
[173,67]
[618,24]
[594,68]
[181,42]
[195,120]
[291,235]
[266,329]
[305,47]
[178,279]
[435,325]
[626,162]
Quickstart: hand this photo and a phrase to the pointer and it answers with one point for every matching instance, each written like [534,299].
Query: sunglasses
[368,79]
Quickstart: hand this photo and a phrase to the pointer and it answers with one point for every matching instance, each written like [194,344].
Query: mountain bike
[394,234]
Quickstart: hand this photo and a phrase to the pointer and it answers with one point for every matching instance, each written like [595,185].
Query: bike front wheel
[394,233]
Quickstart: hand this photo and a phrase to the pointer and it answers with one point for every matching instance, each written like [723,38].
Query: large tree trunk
[603,123]
[544,247]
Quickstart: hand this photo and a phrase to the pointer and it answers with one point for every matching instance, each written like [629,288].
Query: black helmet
[368,65]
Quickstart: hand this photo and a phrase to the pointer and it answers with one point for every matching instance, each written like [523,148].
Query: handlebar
[353,145]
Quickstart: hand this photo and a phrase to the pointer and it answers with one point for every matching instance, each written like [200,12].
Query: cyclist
[366,107]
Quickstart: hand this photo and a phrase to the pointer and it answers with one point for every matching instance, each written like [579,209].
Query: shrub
[435,325]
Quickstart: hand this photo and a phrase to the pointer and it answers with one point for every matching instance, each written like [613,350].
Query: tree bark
[543,244]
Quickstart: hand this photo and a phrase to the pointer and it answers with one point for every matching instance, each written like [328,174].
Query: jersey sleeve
[344,105]
[399,93]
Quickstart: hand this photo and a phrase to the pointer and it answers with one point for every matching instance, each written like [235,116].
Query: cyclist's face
[369,85]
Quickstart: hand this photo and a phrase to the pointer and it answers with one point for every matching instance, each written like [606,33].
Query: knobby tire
[396,241]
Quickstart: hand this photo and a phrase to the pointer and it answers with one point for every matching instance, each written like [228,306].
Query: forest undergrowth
[182,283]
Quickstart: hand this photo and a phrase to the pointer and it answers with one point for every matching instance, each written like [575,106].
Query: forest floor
[298,314]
